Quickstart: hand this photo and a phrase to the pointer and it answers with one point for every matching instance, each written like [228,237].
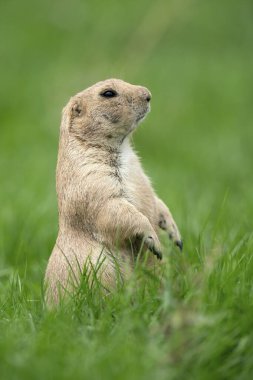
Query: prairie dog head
[108,110]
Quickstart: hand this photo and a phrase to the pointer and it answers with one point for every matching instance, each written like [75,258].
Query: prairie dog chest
[135,183]
[128,165]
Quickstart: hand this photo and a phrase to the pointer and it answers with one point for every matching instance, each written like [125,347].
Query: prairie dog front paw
[167,223]
[155,248]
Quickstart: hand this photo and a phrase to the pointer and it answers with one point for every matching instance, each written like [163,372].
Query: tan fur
[105,200]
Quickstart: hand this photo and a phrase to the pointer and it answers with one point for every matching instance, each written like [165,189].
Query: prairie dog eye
[109,94]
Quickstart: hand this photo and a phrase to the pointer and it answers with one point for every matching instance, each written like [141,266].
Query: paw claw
[151,246]
[179,244]
[158,254]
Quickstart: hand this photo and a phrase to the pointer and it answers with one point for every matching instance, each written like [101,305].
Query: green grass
[196,57]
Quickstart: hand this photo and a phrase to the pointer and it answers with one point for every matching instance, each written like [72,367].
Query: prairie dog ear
[77,108]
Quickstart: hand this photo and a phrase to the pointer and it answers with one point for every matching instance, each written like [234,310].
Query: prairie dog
[105,200]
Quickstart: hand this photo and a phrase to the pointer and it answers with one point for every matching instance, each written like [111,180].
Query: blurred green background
[196,57]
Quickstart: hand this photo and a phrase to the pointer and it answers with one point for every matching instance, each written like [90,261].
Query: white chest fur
[135,183]
[133,177]
[127,162]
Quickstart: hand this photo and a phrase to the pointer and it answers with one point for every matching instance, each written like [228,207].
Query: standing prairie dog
[107,206]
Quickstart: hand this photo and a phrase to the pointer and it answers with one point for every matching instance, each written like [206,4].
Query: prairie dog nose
[145,93]
[148,97]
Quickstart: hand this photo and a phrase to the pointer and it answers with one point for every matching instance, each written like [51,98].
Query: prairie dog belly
[136,184]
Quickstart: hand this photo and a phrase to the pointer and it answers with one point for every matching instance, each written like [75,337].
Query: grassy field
[196,57]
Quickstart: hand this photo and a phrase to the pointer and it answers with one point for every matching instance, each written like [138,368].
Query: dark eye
[109,93]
